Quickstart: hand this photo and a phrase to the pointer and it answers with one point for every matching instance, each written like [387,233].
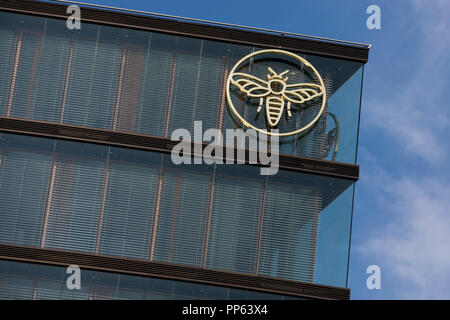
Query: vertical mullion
[29,113]
[104,195]
[66,80]
[312,254]
[49,196]
[157,209]
[14,73]
[260,225]
[222,96]
[208,218]
[174,216]
[170,93]
[197,82]
[89,93]
[144,78]
[119,87]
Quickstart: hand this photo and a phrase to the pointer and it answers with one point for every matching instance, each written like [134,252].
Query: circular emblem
[282,83]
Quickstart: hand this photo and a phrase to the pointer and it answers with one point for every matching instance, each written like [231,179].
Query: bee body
[274,109]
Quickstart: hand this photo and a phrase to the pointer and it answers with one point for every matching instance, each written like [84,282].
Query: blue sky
[401,221]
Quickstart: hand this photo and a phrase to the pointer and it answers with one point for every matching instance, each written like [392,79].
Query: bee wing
[252,86]
[302,92]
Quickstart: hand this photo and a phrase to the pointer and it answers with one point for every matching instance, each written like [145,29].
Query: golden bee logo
[276,93]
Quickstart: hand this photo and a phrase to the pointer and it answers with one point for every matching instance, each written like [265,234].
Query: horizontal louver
[74,203]
[127,211]
[182,210]
[24,178]
[237,209]
[288,243]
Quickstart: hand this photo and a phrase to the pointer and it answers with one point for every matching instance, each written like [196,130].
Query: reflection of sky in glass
[344,104]
[333,244]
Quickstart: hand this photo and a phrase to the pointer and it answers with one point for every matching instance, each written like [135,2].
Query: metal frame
[210,22]
[196,28]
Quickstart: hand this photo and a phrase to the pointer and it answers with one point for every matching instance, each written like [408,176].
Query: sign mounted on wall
[295,89]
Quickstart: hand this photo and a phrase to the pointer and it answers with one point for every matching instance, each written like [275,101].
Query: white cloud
[412,108]
[406,100]
[409,127]
[414,244]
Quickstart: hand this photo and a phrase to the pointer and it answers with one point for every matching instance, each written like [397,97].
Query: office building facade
[87,179]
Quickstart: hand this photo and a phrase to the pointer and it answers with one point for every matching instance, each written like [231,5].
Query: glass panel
[344,116]
[182,212]
[332,251]
[157,79]
[236,249]
[127,218]
[24,177]
[75,196]
[8,39]
[91,78]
